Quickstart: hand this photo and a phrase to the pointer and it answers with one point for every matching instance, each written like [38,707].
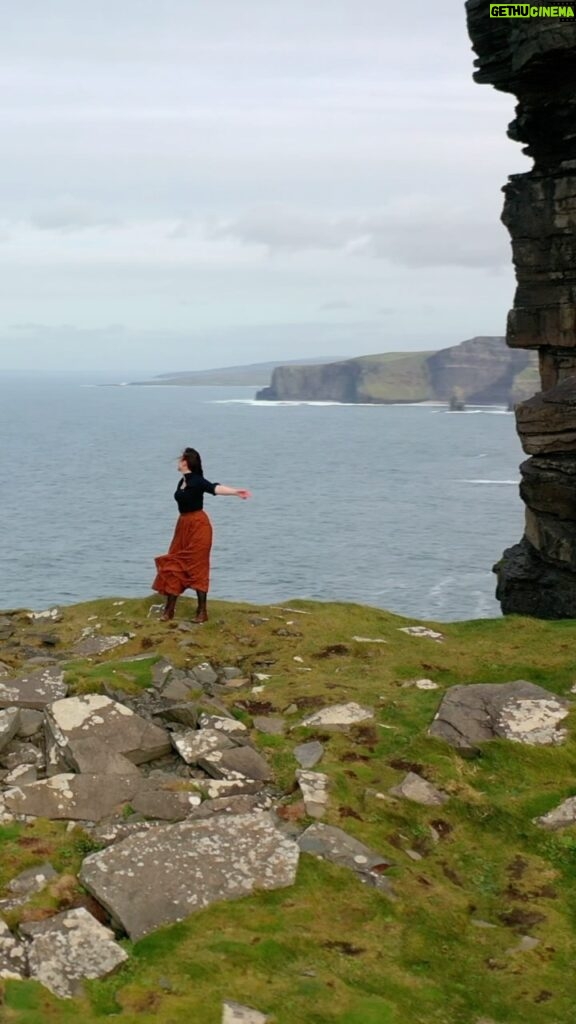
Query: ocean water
[401,507]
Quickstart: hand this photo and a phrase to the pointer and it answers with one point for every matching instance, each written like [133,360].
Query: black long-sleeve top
[190,492]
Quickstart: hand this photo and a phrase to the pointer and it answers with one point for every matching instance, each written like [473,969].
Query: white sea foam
[515,482]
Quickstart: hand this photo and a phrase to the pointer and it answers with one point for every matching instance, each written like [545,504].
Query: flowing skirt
[187,563]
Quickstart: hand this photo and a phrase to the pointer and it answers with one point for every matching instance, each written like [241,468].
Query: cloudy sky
[195,183]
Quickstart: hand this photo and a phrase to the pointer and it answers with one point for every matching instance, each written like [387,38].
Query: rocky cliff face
[534,59]
[482,370]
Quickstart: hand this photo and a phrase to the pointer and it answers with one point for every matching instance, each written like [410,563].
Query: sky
[195,183]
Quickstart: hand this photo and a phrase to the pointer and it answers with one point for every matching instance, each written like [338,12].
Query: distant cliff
[480,370]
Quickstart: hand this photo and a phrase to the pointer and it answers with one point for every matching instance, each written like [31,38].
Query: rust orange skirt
[187,564]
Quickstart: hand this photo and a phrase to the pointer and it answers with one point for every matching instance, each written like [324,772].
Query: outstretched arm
[233,492]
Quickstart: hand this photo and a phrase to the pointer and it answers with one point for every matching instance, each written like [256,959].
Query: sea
[404,507]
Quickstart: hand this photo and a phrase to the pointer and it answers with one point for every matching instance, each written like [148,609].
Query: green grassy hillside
[470,877]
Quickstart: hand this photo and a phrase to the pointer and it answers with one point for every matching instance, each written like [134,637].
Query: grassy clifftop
[471,878]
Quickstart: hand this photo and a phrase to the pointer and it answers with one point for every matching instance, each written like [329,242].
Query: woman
[187,563]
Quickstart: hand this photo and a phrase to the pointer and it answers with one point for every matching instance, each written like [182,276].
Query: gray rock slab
[241,760]
[205,674]
[21,776]
[93,757]
[246,804]
[116,829]
[13,956]
[270,725]
[90,646]
[35,690]
[9,724]
[180,689]
[314,789]
[161,671]
[338,716]
[333,844]
[184,713]
[559,817]
[229,725]
[308,754]
[517,711]
[114,726]
[235,1013]
[72,797]
[414,787]
[196,743]
[231,672]
[203,862]
[17,753]
[30,724]
[32,880]
[164,804]
[216,788]
[73,946]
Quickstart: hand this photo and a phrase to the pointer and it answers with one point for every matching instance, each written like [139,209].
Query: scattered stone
[164,804]
[50,613]
[16,754]
[413,854]
[414,787]
[478,923]
[195,744]
[231,672]
[155,611]
[422,631]
[269,725]
[70,947]
[180,689]
[234,1013]
[330,843]
[241,760]
[246,804]
[32,880]
[426,684]
[314,789]
[369,640]
[94,645]
[13,959]
[216,788]
[31,723]
[559,817]
[9,724]
[4,670]
[260,677]
[230,725]
[184,713]
[203,862]
[205,674]
[36,690]
[161,672]
[518,711]
[292,611]
[72,797]
[21,776]
[308,754]
[108,832]
[76,723]
[338,716]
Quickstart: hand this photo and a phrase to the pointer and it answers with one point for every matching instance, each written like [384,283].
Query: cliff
[480,370]
[534,60]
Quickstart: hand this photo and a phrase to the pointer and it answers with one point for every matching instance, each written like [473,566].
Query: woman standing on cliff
[187,564]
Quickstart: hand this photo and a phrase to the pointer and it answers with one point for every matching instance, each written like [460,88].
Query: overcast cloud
[187,184]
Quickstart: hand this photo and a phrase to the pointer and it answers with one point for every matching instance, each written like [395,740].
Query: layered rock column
[535,59]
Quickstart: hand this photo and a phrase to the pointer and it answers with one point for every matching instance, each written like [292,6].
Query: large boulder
[36,689]
[518,711]
[202,862]
[82,727]
[70,947]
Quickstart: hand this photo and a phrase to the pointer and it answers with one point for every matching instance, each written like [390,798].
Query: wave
[515,482]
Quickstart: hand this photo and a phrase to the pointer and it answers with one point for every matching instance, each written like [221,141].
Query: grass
[329,948]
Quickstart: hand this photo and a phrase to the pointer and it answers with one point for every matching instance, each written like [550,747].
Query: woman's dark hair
[193,461]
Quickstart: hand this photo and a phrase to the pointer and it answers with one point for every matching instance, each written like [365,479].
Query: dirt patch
[520,918]
[333,651]
[344,947]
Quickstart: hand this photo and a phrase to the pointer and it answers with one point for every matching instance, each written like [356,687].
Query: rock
[330,843]
[414,787]
[77,723]
[161,672]
[16,754]
[235,1013]
[517,711]
[31,723]
[338,716]
[246,804]
[314,789]
[526,945]
[21,776]
[32,880]
[36,690]
[164,804]
[559,817]
[217,788]
[369,640]
[242,760]
[94,645]
[308,754]
[203,862]
[52,614]
[184,713]
[72,797]
[114,830]
[230,672]
[529,585]
[195,744]
[422,631]
[270,725]
[9,723]
[13,959]
[229,725]
[205,674]
[426,684]
[177,690]
[71,947]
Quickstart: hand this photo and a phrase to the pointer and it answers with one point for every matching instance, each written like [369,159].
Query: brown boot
[201,613]
[169,608]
